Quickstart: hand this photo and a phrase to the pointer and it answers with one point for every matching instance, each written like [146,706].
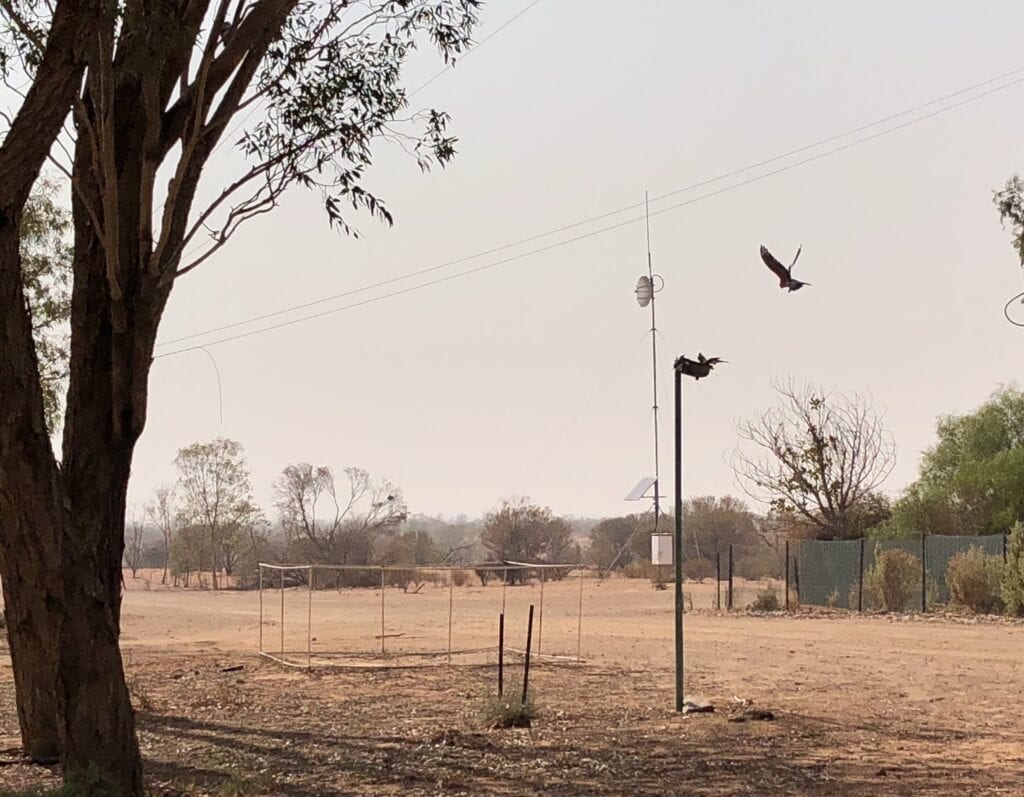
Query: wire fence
[832,572]
[399,616]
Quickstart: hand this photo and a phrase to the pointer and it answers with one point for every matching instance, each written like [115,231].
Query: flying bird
[784,273]
[698,368]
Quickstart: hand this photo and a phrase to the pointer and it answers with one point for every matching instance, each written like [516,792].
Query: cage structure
[408,616]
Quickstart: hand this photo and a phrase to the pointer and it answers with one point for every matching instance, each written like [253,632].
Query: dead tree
[816,456]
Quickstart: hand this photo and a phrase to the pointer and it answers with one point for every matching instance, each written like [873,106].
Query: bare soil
[863,705]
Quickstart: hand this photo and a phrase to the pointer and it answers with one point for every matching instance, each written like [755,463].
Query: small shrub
[767,600]
[1012,587]
[460,577]
[833,599]
[509,710]
[698,569]
[973,579]
[661,575]
[894,580]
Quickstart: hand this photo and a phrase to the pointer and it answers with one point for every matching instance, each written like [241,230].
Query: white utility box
[661,549]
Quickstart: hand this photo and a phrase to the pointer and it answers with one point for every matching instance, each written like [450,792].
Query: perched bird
[784,274]
[698,368]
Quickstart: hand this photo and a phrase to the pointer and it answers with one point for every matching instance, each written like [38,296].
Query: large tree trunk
[111,351]
[30,622]
[31,509]
[63,528]
[90,677]
[29,520]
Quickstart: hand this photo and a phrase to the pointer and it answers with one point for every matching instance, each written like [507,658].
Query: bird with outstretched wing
[784,273]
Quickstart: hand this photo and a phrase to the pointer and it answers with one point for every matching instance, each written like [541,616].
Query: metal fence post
[860,579]
[579,625]
[451,602]
[730,576]
[924,575]
[540,619]
[309,623]
[718,580]
[526,661]
[501,654]
[787,575]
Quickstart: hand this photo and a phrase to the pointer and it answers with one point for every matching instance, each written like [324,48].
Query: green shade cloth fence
[828,572]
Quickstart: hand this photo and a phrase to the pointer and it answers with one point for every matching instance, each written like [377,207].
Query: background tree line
[206,530]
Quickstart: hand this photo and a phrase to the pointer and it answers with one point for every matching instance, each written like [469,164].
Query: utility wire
[478,45]
[558,244]
[604,383]
[609,214]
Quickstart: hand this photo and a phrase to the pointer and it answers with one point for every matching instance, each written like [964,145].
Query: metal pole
[718,580]
[730,576]
[309,624]
[261,608]
[501,654]
[579,625]
[540,619]
[382,611]
[677,558]
[654,369]
[787,575]
[924,576]
[504,584]
[860,579]
[526,663]
[281,581]
[451,600]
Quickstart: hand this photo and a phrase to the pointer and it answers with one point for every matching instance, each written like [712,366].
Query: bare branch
[818,456]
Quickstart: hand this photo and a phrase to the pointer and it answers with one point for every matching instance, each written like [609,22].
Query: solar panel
[642,487]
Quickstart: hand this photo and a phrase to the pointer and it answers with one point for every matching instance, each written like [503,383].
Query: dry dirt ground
[862,705]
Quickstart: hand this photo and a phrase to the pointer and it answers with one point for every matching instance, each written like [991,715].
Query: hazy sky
[575,109]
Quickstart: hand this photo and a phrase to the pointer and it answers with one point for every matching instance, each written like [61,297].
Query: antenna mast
[654,367]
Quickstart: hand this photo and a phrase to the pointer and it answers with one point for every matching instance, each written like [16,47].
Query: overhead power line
[564,242]
[600,217]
